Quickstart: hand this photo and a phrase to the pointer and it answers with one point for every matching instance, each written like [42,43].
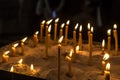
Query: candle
[115,35]
[12,69]
[5,57]
[41,29]
[103,46]
[13,49]
[80,37]
[88,26]
[20,64]
[22,45]
[61,29]
[69,58]
[66,31]
[74,34]
[35,38]
[77,49]
[90,47]
[49,30]
[109,40]
[59,56]
[107,72]
[32,70]
[55,29]
[105,58]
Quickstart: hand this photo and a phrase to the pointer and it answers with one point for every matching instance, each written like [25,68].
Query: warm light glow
[103,43]
[48,22]
[92,29]
[77,48]
[68,22]
[71,52]
[88,26]
[20,61]
[76,26]
[15,45]
[31,67]
[12,69]
[106,56]
[80,29]
[56,20]
[49,29]
[6,52]
[109,31]
[108,66]
[36,33]
[60,40]
[43,22]
[24,39]
[62,25]
[115,26]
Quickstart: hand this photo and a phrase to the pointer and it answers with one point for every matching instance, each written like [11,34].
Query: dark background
[18,18]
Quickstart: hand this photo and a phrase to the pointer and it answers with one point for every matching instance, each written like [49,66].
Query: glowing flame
[108,66]
[15,45]
[71,52]
[6,52]
[49,29]
[20,61]
[91,29]
[109,31]
[31,67]
[62,25]
[103,43]
[106,56]
[24,39]
[36,33]
[80,29]
[12,69]
[43,22]
[68,22]
[60,40]
[115,26]
[77,48]
[88,26]
[48,22]
[76,26]
[56,20]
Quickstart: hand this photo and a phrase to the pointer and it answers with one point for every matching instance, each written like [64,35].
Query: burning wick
[13,49]
[5,56]
[20,64]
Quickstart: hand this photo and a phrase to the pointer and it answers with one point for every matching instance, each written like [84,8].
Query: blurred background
[20,18]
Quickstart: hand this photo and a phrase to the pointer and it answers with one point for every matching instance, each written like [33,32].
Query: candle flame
[48,22]
[77,48]
[109,31]
[108,66]
[103,43]
[91,29]
[15,45]
[68,22]
[115,26]
[80,29]
[24,39]
[106,56]
[31,67]
[62,25]
[60,40]
[88,26]
[20,61]
[76,26]
[49,28]
[43,22]
[36,33]
[6,52]
[56,20]
[71,52]
[12,69]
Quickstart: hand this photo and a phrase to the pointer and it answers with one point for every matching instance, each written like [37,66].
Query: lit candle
[59,56]
[107,72]
[55,29]
[35,38]
[103,46]
[41,29]
[5,57]
[49,30]
[77,49]
[22,45]
[105,59]
[88,26]
[109,40]
[61,29]
[13,49]
[74,34]
[80,37]
[90,46]
[66,31]
[20,64]
[32,70]
[12,69]
[115,35]
[69,58]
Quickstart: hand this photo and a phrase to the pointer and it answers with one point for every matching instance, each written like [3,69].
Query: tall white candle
[55,29]
[109,40]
